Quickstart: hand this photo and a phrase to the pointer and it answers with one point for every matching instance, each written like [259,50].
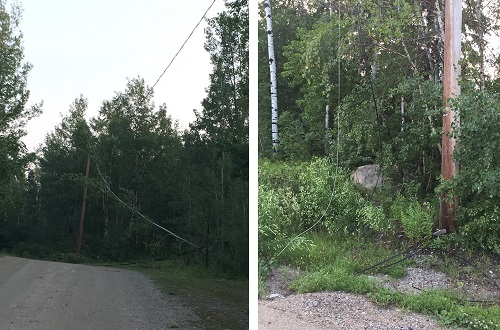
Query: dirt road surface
[51,295]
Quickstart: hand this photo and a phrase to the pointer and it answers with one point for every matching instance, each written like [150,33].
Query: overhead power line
[107,189]
[182,46]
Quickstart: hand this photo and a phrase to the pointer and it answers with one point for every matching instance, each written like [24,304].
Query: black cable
[182,46]
[392,257]
[407,257]
[383,261]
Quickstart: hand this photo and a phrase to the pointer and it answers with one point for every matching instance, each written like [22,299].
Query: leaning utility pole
[272,67]
[82,215]
[451,117]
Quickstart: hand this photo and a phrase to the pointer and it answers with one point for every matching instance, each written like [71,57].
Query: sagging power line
[108,189]
[180,49]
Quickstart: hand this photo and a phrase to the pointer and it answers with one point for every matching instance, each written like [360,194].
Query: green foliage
[417,222]
[333,279]
[14,115]
[483,229]
[374,217]
[292,138]
[277,210]
[293,197]
[391,106]
[446,307]
[330,196]
[478,182]
[31,250]
[142,168]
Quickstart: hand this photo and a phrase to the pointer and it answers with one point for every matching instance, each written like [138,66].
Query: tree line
[378,66]
[143,168]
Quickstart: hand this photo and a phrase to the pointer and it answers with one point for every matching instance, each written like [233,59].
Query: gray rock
[368,176]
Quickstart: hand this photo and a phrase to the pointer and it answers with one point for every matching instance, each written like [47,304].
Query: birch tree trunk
[272,67]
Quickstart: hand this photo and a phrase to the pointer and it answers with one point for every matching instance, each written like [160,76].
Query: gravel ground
[339,310]
[44,295]
[336,310]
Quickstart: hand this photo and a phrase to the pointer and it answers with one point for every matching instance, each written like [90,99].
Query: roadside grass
[340,263]
[220,303]
[351,254]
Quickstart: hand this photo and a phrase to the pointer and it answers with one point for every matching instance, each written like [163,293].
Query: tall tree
[272,70]
[62,166]
[222,131]
[13,113]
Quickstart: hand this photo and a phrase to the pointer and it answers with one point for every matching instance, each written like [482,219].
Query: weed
[174,325]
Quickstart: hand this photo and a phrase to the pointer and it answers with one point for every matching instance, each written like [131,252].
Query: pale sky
[91,47]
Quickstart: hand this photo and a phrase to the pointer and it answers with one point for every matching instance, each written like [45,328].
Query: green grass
[220,303]
[445,306]
[347,253]
[338,264]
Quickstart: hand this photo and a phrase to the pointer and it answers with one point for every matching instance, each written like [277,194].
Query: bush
[374,217]
[483,230]
[31,250]
[71,258]
[294,197]
[277,210]
[417,222]
[478,182]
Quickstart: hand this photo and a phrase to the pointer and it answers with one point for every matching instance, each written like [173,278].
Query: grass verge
[220,303]
[338,264]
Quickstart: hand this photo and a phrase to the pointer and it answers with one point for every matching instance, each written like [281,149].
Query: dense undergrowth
[349,231]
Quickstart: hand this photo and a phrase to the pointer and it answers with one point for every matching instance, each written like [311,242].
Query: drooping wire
[182,46]
[108,190]
[338,95]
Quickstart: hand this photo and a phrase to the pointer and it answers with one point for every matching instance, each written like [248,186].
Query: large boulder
[368,177]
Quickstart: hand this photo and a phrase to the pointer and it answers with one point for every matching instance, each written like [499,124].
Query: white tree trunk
[327,125]
[272,67]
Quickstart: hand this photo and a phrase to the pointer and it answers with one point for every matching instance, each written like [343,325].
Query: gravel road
[51,295]
[340,310]
[337,310]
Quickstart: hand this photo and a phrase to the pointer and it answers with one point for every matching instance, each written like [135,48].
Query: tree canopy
[378,66]
[153,190]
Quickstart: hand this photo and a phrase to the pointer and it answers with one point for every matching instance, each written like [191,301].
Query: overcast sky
[91,47]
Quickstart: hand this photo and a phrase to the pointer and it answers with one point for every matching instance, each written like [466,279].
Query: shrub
[417,222]
[374,217]
[278,209]
[478,182]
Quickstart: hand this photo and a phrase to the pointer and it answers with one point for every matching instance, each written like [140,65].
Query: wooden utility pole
[84,200]
[451,118]
[272,69]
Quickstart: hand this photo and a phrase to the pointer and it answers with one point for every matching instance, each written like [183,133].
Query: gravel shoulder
[339,310]
[42,295]
[336,310]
